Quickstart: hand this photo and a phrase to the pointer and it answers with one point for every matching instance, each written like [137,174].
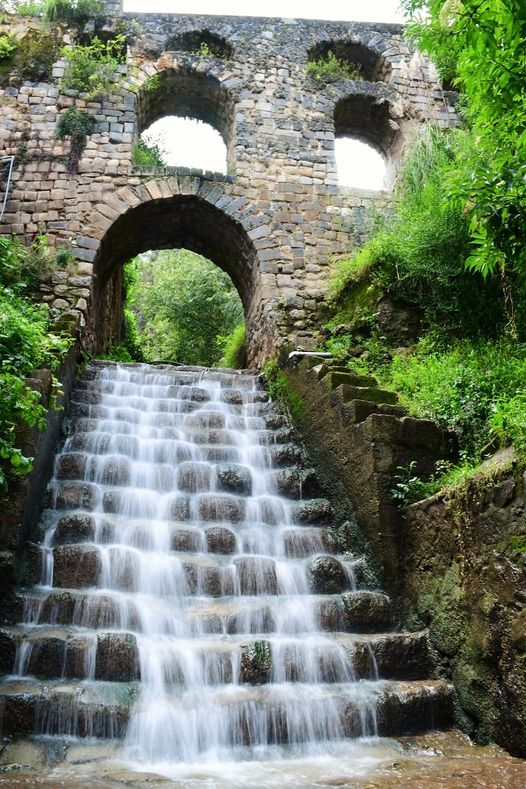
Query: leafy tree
[481,46]
[184,306]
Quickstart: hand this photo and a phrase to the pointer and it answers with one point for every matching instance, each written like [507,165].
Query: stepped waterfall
[191,602]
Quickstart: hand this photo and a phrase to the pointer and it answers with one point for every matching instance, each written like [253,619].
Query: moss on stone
[33,58]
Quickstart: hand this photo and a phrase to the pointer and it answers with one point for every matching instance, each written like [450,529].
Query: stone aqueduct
[279,216]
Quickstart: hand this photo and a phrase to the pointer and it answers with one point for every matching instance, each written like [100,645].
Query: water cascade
[190,597]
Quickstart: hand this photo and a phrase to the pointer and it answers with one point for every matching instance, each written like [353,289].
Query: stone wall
[357,437]
[463,562]
[280,213]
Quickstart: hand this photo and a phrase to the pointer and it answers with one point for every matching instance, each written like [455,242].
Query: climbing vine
[77,125]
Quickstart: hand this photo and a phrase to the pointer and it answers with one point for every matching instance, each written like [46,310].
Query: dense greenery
[26,343]
[418,253]
[93,68]
[468,369]
[481,46]
[186,309]
[73,12]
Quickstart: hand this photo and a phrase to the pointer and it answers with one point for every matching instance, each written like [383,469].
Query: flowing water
[191,602]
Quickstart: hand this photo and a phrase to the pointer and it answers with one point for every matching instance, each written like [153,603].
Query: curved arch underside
[178,222]
[187,94]
[368,120]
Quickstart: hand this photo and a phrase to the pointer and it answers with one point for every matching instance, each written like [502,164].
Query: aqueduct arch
[278,215]
[180,221]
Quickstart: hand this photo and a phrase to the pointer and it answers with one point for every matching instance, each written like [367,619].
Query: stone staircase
[286,643]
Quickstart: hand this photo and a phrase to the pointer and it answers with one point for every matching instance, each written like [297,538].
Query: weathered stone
[366,611]
[75,495]
[234,479]
[256,575]
[185,540]
[117,657]
[327,575]
[7,652]
[74,528]
[313,511]
[223,508]
[71,466]
[47,657]
[285,455]
[76,567]
[220,540]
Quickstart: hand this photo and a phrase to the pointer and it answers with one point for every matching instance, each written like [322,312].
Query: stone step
[147,503]
[171,376]
[349,612]
[97,390]
[174,450]
[188,476]
[55,653]
[295,542]
[349,710]
[333,376]
[90,710]
[347,392]
[178,412]
[125,568]
[356,411]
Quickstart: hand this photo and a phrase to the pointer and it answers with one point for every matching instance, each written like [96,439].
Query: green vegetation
[186,309]
[204,50]
[73,12]
[77,125]
[480,45]
[466,364]
[233,346]
[26,343]
[282,389]
[8,45]
[93,68]
[330,67]
[148,154]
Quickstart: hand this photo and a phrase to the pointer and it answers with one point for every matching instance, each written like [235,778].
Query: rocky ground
[432,761]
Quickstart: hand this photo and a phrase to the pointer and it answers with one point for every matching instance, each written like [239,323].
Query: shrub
[8,45]
[418,254]
[331,67]
[233,347]
[282,390]
[73,12]
[92,67]
[183,304]
[148,154]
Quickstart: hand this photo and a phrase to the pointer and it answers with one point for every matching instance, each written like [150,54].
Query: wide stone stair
[248,585]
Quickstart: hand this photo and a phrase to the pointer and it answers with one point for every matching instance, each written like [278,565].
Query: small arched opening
[364,62]
[370,125]
[175,106]
[200,42]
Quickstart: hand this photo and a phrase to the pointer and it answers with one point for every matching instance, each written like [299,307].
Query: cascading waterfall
[189,583]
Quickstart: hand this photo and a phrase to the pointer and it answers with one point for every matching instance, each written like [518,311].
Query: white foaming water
[203,561]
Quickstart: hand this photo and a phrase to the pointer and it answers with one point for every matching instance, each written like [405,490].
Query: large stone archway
[179,221]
